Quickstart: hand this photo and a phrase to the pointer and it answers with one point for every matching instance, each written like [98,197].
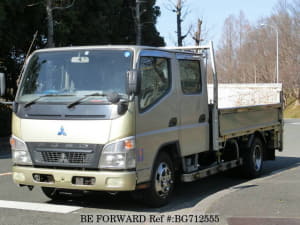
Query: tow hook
[30,187]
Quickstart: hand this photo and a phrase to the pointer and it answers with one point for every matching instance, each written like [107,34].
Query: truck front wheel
[162,182]
[253,159]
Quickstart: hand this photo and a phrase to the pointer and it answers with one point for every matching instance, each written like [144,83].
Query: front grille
[65,155]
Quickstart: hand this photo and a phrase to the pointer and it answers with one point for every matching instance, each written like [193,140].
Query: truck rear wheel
[253,159]
[162,182]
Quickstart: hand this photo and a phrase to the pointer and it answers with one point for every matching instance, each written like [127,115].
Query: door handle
[202,118]
[173,122]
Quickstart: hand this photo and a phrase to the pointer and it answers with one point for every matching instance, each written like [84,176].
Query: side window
[190,76]
[155,80]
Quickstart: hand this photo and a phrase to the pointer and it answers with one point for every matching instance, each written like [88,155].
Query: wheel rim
[163,180]
[257,157]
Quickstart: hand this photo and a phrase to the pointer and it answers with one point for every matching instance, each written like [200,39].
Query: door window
[190,76]
[155,80]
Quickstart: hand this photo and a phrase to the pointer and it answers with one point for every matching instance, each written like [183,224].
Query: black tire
[253,159]
[162,182]
[53,193]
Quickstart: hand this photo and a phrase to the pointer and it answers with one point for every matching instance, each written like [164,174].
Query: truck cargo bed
[239,121]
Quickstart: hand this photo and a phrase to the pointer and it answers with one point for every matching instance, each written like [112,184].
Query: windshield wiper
[42,96]
[78,101]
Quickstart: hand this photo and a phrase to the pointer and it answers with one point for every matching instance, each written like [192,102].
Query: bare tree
[178,8]
[226,53]
[248,53]
[197,35]
[50,7]
[138,22]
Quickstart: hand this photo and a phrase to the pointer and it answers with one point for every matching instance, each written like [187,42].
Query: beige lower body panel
[104,180]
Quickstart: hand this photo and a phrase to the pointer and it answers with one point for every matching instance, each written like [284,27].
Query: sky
[213,13]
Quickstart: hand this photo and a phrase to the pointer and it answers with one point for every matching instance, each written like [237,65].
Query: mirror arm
[132,78]
[131,97]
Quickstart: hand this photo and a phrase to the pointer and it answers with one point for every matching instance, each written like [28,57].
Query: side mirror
[2,84]
[132,84]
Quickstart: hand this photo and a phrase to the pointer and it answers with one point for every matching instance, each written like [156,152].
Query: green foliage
[87,22]
[92,22]
[18,23]
[5,120]
[149,18]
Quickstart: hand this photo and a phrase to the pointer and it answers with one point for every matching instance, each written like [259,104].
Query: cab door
[193,105]
[157,117]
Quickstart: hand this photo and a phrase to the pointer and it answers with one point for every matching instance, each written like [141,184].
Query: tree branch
[170,6]
[34,4]
[66,7]
[187,33]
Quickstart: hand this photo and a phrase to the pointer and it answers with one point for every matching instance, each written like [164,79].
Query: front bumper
[104,180]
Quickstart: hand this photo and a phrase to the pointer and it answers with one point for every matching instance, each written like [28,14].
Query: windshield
[66,75]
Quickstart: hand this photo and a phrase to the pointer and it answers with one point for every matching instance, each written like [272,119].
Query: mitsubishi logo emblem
[63,158]
[62,132]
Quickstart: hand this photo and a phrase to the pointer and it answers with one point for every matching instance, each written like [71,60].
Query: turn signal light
[129,144]
[12,142]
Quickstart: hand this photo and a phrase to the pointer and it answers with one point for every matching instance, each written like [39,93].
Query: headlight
[20,154]
[118,155]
